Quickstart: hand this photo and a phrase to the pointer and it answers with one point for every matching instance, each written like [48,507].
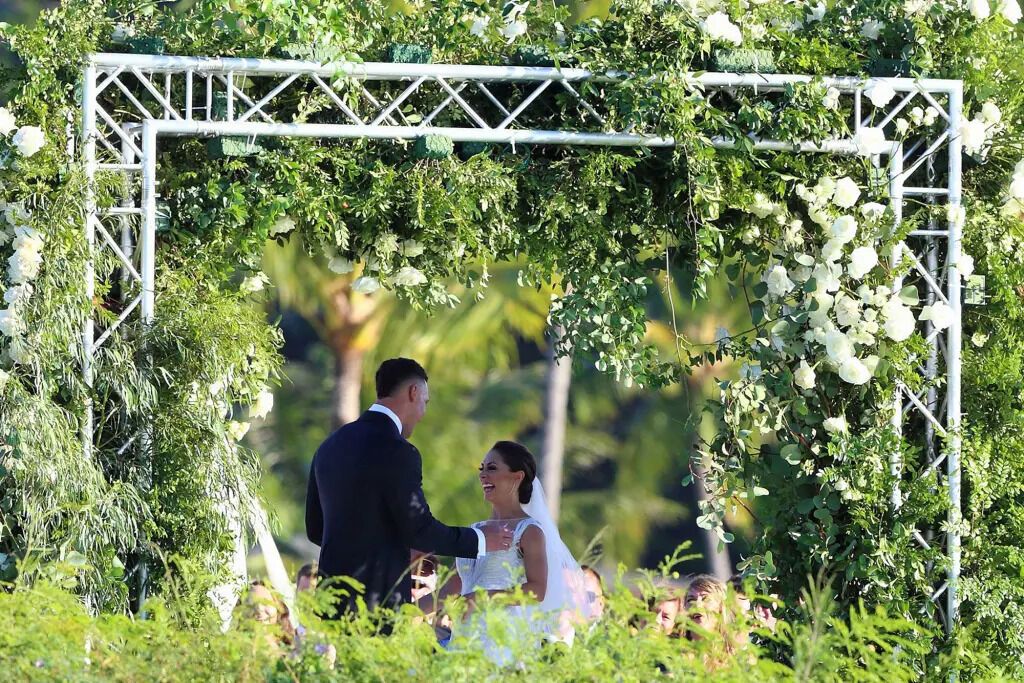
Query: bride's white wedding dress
[564,604]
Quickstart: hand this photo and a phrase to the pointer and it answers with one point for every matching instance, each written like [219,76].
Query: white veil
[566,590]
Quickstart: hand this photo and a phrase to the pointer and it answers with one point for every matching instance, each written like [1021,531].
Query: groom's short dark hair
[395,372]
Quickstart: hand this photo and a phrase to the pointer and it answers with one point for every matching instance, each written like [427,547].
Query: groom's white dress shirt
[378,408]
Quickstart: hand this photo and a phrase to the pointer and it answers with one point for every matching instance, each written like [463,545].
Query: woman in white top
[538,562]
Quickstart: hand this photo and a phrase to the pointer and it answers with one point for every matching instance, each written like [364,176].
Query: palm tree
[348,322]
[556,408]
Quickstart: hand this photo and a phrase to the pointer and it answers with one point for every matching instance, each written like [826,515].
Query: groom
[365,506]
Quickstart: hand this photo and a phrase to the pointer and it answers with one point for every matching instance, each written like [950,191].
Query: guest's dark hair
[518,458]
[307,571]
[395,372]
[587,569]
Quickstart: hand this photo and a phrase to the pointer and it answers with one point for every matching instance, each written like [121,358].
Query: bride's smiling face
[500,484]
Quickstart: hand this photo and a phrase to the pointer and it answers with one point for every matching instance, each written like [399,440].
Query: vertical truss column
[88,332]
[953,347]
[896,202]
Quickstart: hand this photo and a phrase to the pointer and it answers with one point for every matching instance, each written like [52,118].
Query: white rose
[853,371]
[366,285]
[282,226]
[939,313]
[972,135]
[844,229]
[255,283]
[980,9]
[779,284]
[817,12]
[831,99]
[7,122]
[804,376]
[826,275]
[837,345]
[23,265]
[862,261]
[1010,10]
[718,26]
[872,210]
[956,214]
[262,406]
[870,141]
[917,115]
[17,293]
[880,93]
[9,322]
[990,113]
[836,425]
[930,115]
[966,266]
[480,24]
[1017,187]
[899,320]
[236,430]
[847,311]
[871,28]
[409,277]
[762,207]
[819,317]
[340,265]
[513,28]
[846,193]
[902,126]
[27,239]
[29,140]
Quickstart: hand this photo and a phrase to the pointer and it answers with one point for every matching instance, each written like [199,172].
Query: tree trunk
[556,404]
[718,563]
[348,379]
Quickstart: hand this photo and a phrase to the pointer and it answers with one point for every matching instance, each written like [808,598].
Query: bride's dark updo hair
[518,458]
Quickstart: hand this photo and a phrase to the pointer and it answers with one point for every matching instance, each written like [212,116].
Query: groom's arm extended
[403,491]
[314,513]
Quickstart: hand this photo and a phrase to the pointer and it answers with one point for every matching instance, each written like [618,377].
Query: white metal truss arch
[129,102]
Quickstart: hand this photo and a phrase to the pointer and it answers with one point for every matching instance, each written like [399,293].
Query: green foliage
[49,636]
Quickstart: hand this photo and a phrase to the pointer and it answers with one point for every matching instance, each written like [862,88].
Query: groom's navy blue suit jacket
[365,509]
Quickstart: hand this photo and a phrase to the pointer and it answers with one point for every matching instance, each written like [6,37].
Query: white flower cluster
[27,140]
[720,28]
[982,9]
[829,315]
[1014,206]
[977,133]
[22,268]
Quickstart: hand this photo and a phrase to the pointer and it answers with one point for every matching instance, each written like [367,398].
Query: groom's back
[346,512]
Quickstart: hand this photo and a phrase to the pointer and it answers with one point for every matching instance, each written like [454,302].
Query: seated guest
[262,606]
[709,613]
[305,582]
[595,591]
[306,579]
[667,610]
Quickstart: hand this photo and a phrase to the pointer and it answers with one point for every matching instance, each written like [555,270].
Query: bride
[538,562]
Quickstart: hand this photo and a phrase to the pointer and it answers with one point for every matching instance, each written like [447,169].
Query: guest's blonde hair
[711,597]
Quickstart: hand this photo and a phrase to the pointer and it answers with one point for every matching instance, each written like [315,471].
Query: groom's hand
[497,538]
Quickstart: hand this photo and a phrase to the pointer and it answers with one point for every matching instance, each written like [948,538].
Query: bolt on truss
[130,102]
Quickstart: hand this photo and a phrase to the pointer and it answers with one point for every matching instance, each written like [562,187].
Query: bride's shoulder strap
[522,526]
